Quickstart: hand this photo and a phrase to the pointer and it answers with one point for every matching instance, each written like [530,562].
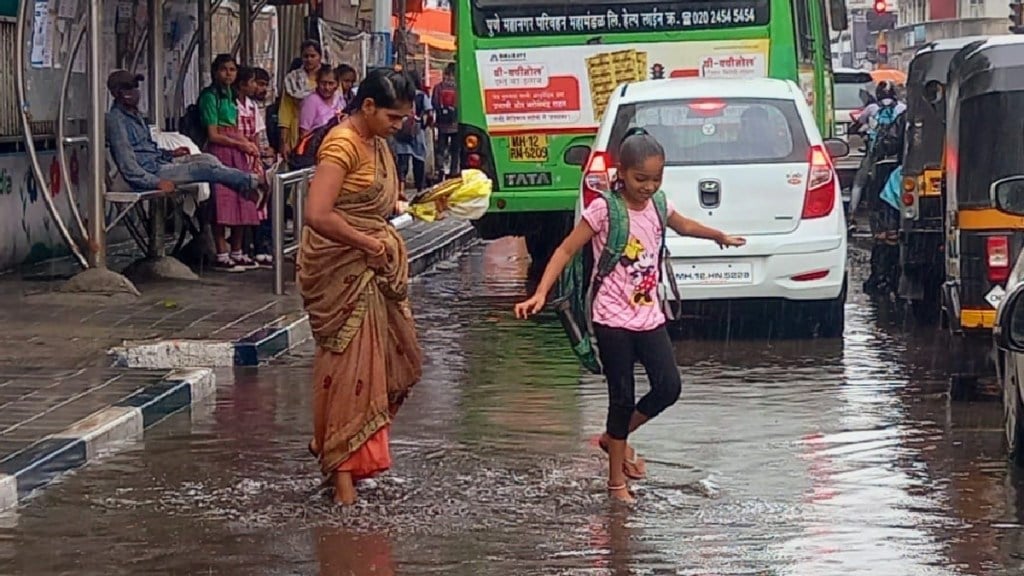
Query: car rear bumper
[772,271]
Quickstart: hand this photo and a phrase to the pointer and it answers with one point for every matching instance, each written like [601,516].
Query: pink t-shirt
[628,297]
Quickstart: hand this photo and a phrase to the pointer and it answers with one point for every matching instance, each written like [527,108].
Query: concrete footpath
[80,374]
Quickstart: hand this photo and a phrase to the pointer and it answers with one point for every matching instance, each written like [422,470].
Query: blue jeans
[206,168]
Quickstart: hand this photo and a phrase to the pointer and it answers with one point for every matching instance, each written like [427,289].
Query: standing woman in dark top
[234,209]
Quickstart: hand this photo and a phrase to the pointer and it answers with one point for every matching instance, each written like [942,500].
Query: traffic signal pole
[1017,17]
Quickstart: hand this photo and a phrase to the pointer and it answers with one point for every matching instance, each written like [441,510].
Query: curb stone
[277,337]
[35,467]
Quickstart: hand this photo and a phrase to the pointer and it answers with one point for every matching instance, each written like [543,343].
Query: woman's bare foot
[621,493]
[344,489]
[634,466]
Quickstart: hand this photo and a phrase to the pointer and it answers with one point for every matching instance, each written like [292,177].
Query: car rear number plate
[714,273]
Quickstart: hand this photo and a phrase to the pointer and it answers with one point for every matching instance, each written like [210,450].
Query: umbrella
[466,198]
[896,76]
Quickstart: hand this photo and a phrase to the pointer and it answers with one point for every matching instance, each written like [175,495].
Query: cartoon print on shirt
[641,265]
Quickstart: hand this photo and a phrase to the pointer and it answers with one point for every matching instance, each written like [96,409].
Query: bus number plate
[528,148]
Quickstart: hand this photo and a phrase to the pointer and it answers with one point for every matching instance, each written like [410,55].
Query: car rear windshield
[850,96]
[716,131]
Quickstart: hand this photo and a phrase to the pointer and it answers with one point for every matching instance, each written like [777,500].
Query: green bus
[534,75]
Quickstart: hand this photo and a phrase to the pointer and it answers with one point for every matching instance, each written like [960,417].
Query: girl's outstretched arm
[688,227]
[572,244]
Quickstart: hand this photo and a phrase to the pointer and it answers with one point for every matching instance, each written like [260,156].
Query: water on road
[783,457]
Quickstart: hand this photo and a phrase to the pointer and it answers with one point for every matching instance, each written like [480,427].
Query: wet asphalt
[797,457]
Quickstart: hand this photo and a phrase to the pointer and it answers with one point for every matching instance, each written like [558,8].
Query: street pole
[155,9]
[381,33]
[205,41]
[402,49]
[245,32]
[97,139]
[1017,17]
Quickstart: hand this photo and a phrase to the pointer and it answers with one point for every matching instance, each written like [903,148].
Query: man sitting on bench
[146,167]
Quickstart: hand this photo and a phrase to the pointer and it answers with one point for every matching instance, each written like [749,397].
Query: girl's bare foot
[344,489]
[621,493]
[634,466]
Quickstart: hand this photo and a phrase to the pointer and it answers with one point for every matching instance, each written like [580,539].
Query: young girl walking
[629,325]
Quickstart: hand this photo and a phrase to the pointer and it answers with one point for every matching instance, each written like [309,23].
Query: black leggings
[620,349]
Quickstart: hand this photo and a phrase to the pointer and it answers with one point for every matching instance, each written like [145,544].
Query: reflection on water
[782,457]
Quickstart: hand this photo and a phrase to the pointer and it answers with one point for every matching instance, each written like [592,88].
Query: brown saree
[367,355]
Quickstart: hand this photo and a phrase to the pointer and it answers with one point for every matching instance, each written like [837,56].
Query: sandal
[631,467]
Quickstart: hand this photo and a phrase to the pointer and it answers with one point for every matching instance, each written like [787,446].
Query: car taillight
[997,249]
[820,198]
[810,276]
[597,177]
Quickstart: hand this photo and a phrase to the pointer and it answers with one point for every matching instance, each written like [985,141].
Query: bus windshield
[547,17]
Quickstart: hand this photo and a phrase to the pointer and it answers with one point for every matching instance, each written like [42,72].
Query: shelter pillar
[98,278]
[154,58]
[245,21]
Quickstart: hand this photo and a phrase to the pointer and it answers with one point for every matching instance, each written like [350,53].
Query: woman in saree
[298,84]
[353,275]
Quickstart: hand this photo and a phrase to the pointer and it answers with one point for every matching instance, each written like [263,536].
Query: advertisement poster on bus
[563,87]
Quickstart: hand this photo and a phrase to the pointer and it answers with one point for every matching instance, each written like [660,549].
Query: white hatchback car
[746,157]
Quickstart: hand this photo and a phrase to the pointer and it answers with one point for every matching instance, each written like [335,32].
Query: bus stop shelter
[65,50]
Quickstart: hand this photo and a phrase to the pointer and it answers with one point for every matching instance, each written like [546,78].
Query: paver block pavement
[53,423]
[61,399]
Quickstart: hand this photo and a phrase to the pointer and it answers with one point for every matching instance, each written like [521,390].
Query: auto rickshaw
[984,146]
[921,262]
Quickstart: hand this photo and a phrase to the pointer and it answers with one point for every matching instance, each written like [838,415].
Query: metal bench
[150,209]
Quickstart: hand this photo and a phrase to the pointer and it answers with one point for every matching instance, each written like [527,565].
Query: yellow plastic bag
[468,198]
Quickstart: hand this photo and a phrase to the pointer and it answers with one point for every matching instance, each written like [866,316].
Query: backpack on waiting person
[306,149]
[191,125]
[446,99]
[580,281]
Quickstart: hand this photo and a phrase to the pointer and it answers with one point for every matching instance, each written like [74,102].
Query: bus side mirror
[1007,195]
[1008,331]
[577,155]
[840,20]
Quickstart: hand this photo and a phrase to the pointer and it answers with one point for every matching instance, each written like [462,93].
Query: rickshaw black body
[921,259]
[984,144]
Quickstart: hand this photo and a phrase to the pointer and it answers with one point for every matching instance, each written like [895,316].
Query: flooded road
[782,457]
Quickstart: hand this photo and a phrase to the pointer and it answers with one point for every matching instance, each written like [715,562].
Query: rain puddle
[782,457]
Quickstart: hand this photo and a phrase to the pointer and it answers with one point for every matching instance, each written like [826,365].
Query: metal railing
[277,205]
[300,180]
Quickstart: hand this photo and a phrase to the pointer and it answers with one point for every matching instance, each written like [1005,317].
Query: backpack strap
[618,237]
[614,248]
[664,259]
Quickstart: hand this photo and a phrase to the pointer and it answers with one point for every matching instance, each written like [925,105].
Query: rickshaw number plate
[995,296]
